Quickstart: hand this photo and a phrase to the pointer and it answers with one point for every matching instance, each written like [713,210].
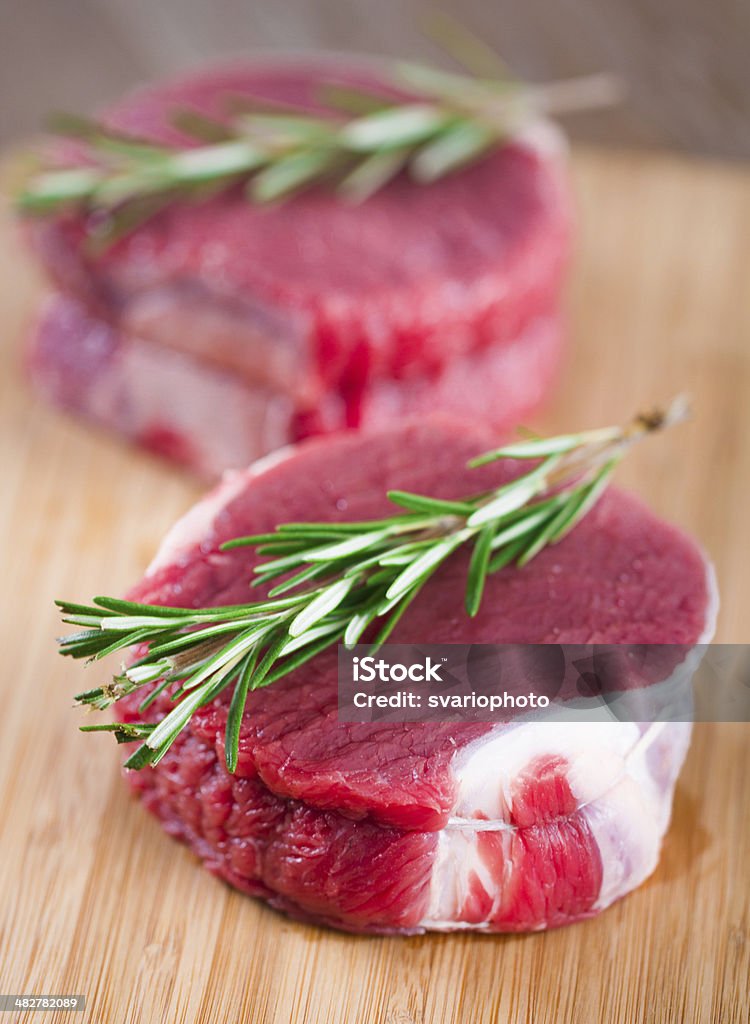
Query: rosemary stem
[574,94]
[448,121]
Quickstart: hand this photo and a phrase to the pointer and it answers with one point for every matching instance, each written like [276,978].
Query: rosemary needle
[337,582]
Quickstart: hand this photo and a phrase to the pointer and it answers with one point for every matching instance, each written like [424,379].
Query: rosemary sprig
[339,582]
[367,139]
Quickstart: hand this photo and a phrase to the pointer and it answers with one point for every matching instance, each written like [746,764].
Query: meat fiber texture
[220,330]
[402,827]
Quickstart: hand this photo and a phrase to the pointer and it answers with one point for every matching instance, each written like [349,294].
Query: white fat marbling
[621,775]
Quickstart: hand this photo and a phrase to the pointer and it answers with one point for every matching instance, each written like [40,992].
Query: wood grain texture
[95,899]
[685,61]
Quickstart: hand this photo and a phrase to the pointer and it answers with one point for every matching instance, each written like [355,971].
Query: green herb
[276,151]
[341,582]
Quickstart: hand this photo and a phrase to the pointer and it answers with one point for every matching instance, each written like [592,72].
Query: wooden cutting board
[96,900]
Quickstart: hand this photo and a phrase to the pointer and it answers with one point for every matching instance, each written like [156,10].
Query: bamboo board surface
[94,898]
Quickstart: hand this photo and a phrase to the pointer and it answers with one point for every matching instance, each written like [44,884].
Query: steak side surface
[402,827]
[325,312]
[207,418]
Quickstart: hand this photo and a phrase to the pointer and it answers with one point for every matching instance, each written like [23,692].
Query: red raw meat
[401,827]
[332,315]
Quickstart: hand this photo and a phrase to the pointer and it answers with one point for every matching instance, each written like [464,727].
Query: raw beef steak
[402,827]
[311,315]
